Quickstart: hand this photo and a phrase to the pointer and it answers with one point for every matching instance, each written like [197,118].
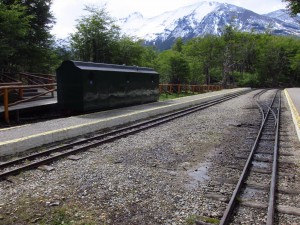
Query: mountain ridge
[206,17]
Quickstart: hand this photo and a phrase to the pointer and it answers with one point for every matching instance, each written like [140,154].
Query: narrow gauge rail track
[269,128]
[48,156]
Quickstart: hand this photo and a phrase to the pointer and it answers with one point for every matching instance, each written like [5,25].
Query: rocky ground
[171,174]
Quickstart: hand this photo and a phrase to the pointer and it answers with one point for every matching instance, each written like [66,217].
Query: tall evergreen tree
[14,26]
[38,40]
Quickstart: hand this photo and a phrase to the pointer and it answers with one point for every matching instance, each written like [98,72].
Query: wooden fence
[48,83]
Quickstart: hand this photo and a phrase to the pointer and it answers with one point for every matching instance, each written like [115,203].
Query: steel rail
[271,206]
[274,115]
[106,138]
[229,209]
[134,126]
[256,97]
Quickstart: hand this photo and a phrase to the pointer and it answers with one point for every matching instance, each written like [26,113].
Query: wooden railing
[179,88]
[36,79]
[51,87]
[4,90]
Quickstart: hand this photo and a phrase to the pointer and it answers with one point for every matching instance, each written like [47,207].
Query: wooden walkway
[32,104]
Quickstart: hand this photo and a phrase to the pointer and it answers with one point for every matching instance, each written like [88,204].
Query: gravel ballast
[170,174]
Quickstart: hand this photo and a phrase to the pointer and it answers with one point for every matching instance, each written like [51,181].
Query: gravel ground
[171,174]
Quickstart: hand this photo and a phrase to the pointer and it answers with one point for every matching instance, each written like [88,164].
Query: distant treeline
[245,59]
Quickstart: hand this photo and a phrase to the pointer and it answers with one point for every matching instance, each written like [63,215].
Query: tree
[178,45]
[295,66]
[173,67]
[293,6]
[148,57]
[14,25]
[129,52]
[62,49]
[274,59]
[96,37]
[179,69]
[35,49]
[228,53]
[162,65]
[205,51]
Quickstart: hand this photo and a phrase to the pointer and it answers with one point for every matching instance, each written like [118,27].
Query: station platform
[293,97]
[42,103]
[19,139]
[26,105]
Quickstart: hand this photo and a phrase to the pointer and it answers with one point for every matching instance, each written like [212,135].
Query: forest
[242,59]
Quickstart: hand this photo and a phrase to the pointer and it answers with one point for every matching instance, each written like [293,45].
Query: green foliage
[203,56]
[96,37]
[295,63]
[162,65]
[129,52]
[178,45]
[173,67]
[196,75]
[293,6]
[148,57]
[59,216]
[168,96]
[210,220]
[244,59]
[14,25]
[216,74]
[179,69]
[25,35]
[246,79]
[190,220]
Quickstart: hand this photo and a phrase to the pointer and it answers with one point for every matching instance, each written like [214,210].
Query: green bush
[246,79]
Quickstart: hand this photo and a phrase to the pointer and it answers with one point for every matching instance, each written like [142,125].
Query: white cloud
[67,11]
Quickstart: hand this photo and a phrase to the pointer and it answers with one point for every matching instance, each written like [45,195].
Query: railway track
[32,161]
[256,189]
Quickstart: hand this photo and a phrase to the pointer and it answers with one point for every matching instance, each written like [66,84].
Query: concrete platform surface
[293,97]
[22,138]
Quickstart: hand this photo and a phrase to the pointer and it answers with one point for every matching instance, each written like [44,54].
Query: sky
[67,12]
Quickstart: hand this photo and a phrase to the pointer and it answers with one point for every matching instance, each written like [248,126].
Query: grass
[33,211]
[210,220]
[168,96]
[59,216]
[191,220]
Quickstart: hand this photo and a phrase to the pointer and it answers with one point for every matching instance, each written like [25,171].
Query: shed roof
[109,67]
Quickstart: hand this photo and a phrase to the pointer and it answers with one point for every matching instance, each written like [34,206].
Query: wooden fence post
[6,113]
[20,93]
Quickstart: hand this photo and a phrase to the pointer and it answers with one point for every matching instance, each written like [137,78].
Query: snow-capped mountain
[205,18]
[284,16]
